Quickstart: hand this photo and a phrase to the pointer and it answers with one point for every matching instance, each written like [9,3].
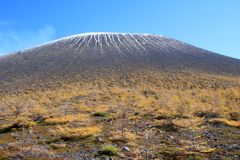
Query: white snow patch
[129,41]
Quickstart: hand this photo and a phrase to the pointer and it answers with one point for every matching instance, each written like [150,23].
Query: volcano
[101,54]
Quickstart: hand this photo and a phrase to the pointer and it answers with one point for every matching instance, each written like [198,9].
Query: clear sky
[213,25]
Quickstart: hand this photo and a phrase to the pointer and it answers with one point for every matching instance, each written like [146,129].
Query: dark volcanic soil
[89,54]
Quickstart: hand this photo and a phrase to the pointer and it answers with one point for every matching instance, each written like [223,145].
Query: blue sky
[213,25]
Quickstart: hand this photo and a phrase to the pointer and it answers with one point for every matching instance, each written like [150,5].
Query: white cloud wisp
[14,41]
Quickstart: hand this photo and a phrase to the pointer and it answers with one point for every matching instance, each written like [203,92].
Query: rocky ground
[209,141]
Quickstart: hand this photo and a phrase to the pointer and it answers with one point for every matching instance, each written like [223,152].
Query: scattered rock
[126,148]
[154,157]
[98,139]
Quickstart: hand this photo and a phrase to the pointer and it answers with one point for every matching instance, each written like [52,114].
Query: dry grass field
[141,116]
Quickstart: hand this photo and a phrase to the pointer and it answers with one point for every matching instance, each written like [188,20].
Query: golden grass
[127,136]
[170,97]
[178,95]
[74,133]
[68,118]
[226,121]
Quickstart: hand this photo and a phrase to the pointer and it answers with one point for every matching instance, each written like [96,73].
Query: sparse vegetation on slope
[124,96]
[181,116]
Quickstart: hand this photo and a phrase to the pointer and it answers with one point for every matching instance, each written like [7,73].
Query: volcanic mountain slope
[85,55]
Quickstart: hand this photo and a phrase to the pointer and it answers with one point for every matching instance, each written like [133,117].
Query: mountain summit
[95,53]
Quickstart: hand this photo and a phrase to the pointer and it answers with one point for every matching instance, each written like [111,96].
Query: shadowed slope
[101,54]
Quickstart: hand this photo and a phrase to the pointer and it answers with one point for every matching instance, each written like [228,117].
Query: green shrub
[109,150]
[147,115]
[101,114]
[156,97]
[136,113]
[162,117]
[145,92]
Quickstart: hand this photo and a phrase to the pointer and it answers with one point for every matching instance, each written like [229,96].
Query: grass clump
[235,116]
[100,114]
[33,152]
[224,121]
[168,125]
[69,133]
[109,150]
[3,155]
[207,114]
[58,146]
[21,122]
[196,157]
[67,118]
[119,136]
[147,115]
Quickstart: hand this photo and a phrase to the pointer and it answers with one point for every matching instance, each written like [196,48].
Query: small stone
[108,120]
[126,148]
[174,142]
[153,157]
[122,155]
[98,139]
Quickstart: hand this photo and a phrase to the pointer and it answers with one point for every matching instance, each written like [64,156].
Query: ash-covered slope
[119,52]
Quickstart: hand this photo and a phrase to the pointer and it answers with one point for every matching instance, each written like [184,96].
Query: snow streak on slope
[130,42]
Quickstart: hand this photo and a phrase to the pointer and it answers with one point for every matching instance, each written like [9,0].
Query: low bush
[168,125]
[21,122]
[100,114]
[162,117]
[38,113]
[75,133]
[123,137]
[33,152]
[136,113]
[207,114]
[57,146]
[147,115]
[224,121]
[235,116]
[109,150]
[67,118]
